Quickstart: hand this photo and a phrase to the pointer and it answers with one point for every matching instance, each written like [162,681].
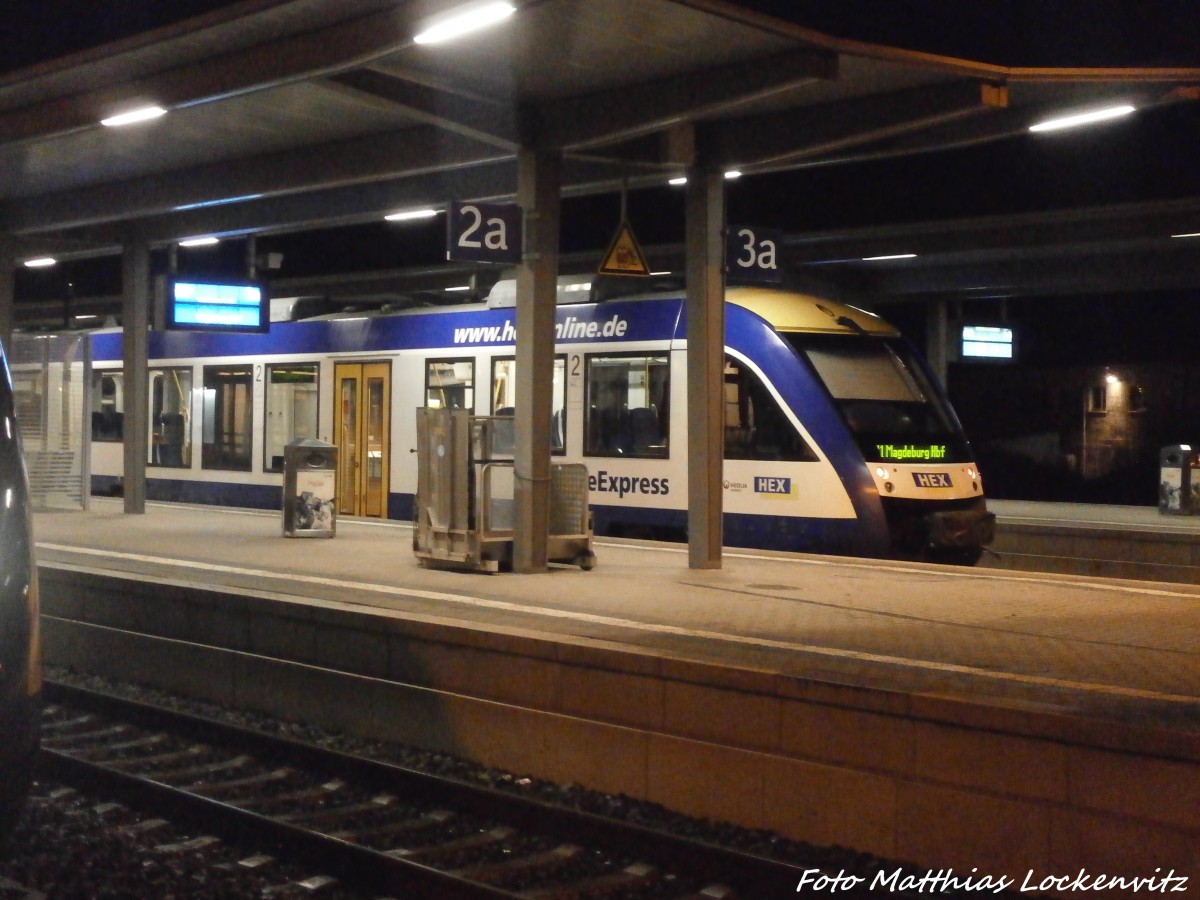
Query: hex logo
[932,479]
[767,485]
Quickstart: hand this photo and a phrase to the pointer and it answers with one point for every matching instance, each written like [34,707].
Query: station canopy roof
[287,115]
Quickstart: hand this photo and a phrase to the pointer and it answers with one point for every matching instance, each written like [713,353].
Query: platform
[1135,542]
[915,711]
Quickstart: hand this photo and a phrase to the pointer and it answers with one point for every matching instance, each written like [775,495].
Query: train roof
[785,309]
[796,311]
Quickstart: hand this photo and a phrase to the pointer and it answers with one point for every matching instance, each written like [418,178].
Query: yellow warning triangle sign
[624,256]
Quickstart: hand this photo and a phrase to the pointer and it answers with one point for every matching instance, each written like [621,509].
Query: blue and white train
[837,438]
[20,659]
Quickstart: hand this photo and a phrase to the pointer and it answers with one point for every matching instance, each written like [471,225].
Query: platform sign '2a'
[484,232]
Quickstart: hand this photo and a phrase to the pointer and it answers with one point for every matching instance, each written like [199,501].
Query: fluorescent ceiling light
[142,114]
[464,21]
[412,214]
[890,256]
[682,179]
[41,262]
[461,287]
[203,204]
[82,316]
[1189,234]
[207,241]
[1087,118]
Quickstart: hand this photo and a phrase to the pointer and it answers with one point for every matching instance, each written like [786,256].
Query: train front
[20,662]
[910,439]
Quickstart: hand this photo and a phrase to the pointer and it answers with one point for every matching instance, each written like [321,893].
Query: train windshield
[885,398]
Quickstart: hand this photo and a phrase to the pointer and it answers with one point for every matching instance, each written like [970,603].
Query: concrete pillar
[539,182]
[8,263]
[937,338]
[705,364]
[135,322]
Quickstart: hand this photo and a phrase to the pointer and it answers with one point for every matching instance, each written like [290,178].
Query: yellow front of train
[20,658]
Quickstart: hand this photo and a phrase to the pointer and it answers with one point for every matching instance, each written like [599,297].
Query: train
[837,438]
[20,660]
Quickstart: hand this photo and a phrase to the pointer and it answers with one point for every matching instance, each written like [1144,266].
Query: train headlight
[881,472]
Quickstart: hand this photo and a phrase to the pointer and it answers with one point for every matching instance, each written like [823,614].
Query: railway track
[375,827]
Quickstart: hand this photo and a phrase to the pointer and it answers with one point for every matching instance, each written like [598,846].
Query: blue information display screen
[987,342]
[214,306]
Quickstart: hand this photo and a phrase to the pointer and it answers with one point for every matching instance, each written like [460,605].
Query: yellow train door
[363,396]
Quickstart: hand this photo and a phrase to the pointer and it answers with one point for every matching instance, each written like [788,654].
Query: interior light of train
[141,114]
[1189,234]
[40,263]
[465,20]
[1087,118]
[409,215]
[678,181]
[732,174]
[206,241]
[458,287]
[889,256]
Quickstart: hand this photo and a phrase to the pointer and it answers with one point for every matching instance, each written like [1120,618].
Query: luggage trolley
[465,505]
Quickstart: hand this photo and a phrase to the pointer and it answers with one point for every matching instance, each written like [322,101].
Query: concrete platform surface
[1089,647]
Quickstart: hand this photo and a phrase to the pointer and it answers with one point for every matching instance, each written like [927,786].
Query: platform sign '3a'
[752,255]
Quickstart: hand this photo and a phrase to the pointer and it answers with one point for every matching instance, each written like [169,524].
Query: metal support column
[937,339]
[705,364]
[135,323]
[539,179]
[8,275]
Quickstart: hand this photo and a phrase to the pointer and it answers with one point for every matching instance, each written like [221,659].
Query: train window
[108,405]
[291,410]
[756,427]
[228,416]
[884,397]
[170,418]
[628,405]
[450,384]
[504,396]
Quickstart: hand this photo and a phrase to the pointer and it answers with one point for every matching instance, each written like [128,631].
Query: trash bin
[1178,481]
[309,489]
